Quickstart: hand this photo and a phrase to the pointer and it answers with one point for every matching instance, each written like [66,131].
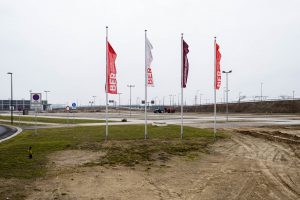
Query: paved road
[6,131]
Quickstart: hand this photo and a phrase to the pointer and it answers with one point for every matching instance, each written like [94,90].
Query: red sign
[218,68]
[149,77]
[111,70]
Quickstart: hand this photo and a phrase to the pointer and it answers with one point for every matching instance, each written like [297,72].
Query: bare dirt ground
[240,167]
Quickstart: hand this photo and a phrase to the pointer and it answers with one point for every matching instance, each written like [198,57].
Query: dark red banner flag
[111,70]
[185,64]
[218,68]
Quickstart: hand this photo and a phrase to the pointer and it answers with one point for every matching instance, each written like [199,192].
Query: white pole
[227,90]
[146,83]
[106,88]
[35,121]
[215,95]
[181,135]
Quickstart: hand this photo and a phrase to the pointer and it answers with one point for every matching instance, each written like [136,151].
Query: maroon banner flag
[185,64]
[218,68]
[111,70]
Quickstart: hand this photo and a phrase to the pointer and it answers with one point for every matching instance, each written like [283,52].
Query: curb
[19,130]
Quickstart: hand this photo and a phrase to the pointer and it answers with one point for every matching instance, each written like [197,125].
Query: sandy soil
[242,167]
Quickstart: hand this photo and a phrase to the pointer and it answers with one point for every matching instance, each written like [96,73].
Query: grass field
[51,120]
[15,164]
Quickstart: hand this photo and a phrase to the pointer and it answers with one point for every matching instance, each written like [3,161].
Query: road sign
[73,106]
[35,100]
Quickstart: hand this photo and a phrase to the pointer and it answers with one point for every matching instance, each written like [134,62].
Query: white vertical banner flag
[149,59]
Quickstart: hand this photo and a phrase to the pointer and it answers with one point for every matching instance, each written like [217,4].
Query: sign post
[35,101]
[74,108]
[68,110]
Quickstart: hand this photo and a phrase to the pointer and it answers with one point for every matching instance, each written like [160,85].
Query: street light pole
[227,90]
[94,97]
[11,98]
[120,102]
[46,91]
[130,86]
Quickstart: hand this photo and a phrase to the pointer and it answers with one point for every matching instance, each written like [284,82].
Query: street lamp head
[227,72]
[9,73]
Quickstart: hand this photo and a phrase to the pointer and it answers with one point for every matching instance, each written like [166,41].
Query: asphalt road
[6,131]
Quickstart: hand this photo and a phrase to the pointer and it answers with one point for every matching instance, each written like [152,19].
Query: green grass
[125,146]
[51,120]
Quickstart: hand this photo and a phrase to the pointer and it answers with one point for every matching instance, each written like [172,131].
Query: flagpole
[215,95]
[146,80]
[181,134]
[106,88]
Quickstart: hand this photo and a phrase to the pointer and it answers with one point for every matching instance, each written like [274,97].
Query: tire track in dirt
[264,157]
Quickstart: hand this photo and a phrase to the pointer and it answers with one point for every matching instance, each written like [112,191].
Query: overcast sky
[59,45]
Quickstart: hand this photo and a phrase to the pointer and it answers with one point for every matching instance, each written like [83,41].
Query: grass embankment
[125,146]
[51,120]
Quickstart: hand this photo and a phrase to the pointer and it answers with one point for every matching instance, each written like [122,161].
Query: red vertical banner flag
[185,64]
[111,71]
[218,68]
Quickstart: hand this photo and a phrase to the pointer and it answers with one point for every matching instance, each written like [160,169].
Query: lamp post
[173,99]
[227,90]
[119,102]
[130,86]
[94,97]
[46,91]
[11,98]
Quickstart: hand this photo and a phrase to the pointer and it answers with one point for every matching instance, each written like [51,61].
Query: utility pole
[130,86]
[120,102]
[11,98]
[240,97]
[46,91]
[94,105]
[227,90]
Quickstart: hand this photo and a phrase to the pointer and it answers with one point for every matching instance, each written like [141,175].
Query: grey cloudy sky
[59,45]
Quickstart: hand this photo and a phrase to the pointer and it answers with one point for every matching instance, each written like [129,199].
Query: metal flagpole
[106,87]
[215,95]
[181,135]
[146,83]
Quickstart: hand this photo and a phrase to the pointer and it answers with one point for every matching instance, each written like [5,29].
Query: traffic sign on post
[36,100]
[74,106]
